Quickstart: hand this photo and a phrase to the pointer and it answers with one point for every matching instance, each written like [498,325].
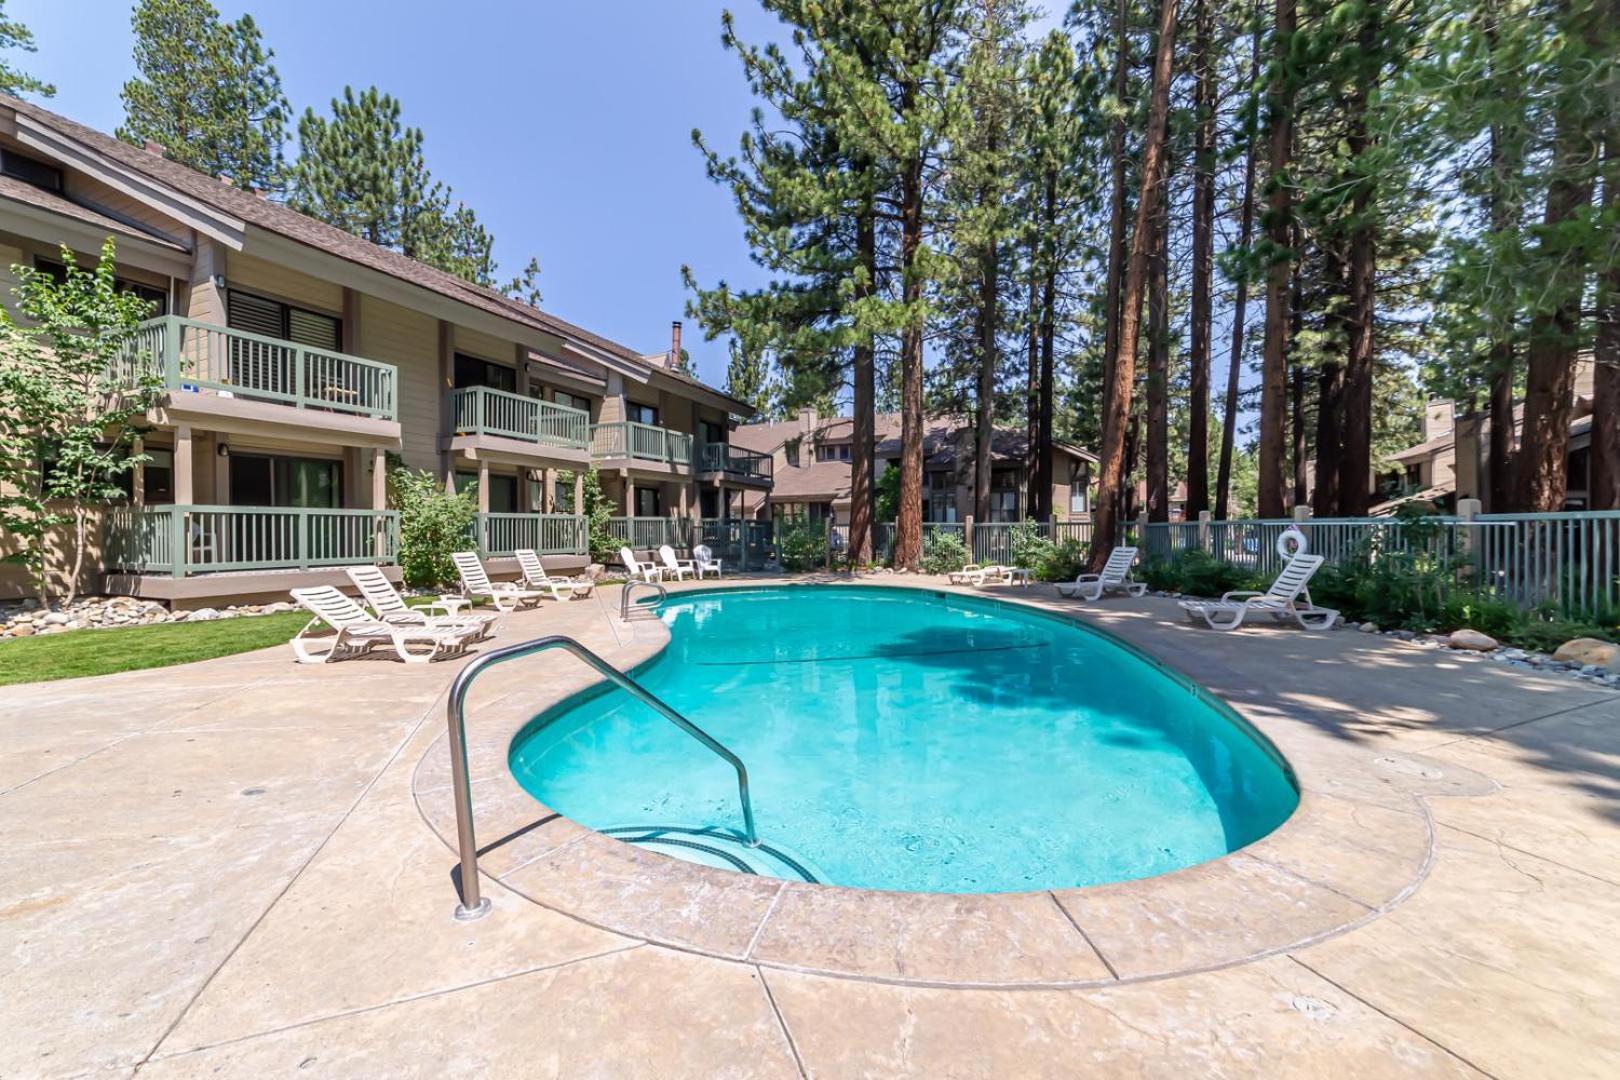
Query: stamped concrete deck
[235,868]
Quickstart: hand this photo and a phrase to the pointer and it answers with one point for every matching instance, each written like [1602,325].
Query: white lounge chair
[966,575]
[1287,599]
[390,607]
[650,572]
[534,573]
[679,567]
[703,558]
[359,633]
[980,576]
[505,595]
[1115,577]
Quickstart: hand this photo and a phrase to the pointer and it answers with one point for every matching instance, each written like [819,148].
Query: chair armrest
[1242,593]
[1086,579]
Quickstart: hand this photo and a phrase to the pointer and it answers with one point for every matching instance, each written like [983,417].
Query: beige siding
[486,346]
[257,276]
[410,341]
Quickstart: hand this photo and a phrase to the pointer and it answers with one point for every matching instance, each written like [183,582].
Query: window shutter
[254,315]
[313,330]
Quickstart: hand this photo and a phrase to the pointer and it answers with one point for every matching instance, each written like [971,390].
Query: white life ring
[1291,542]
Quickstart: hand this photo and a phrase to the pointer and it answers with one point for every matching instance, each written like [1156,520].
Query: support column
[483,485]
[184,492]
[1204,518]
[629,496]
[137,476]
[579,491]
[547,478]
[1467,511]
[379,479]
[447,403]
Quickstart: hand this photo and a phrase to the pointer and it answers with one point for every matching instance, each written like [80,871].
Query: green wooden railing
[186,540]
[733,461]
[184,355]
[482,410]
[548,534]
[648,533]
[642,442]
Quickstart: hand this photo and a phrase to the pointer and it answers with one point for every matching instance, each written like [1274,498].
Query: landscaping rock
[1368,628]
[24,630]
[204,614]
[1400,635]
[1473,641]
[1590,651]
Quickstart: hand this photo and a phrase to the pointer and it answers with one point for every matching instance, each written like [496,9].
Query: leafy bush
[802,546]
[1197,573]
[433,523]
[1065,561]
[943,550]
[1029,548]
[598,511]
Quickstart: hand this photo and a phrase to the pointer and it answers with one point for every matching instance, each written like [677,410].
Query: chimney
[675,344]
[807,419]
[152,147]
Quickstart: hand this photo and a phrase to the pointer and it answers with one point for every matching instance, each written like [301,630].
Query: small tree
[598,510]
[433,523]
[69,409]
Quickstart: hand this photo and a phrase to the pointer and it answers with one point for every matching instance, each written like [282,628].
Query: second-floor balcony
[184,356]
[641,443]
[482,410]
[734,463]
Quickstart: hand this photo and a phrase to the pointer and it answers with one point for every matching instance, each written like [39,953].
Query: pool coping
[1359,843]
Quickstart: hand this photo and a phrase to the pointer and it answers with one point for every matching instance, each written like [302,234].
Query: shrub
[943,550]
[433,523]
[1029,548]
[604,545]
[1196,573]
[802,546]
[1066,560]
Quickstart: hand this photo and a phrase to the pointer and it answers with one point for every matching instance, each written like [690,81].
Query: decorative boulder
[1472,640]
[1585,650]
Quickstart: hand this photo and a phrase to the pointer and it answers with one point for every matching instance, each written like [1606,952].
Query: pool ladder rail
[473,905]
[630,586]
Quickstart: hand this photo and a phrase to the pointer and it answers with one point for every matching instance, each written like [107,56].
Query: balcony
[723,461]
[642,444]
[182,541]
[483,414]
[650,533]
[498,535]
[210,368]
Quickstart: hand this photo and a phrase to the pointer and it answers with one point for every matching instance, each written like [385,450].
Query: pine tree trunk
[862,491]
[908,528]
[1329,402]
[1032,380]
[1117,204]
[1605,452]
[1543,462]
[1143,242]
[1502,459]
[1279,212]
[1203,258]
[1158,362]
[1240,307]
[986,319]
[1355,470]
[1296,394]
[1507,159]
[1041,465]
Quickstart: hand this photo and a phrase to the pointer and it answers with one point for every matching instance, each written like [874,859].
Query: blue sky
[566,125]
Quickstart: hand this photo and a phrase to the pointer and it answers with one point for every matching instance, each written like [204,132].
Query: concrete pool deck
[232,868]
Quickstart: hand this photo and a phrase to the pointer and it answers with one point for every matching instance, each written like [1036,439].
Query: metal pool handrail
[634,583]
[473,905]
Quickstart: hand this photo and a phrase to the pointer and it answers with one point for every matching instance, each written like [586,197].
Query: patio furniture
[1115,577]
[1287,599]
[1001,575]
[534,573]
[649,572]
[966,575]
[705,562]
[505,595]
[978,576]
[390,607]
[359,633]
[679,567]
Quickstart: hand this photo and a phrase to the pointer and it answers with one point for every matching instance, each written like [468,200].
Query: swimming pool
[909,739]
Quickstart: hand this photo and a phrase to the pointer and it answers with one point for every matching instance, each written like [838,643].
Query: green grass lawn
[101,652]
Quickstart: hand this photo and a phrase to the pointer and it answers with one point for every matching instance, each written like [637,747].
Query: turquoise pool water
[905,739]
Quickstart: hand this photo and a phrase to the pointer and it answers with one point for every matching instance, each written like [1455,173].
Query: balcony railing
[724,458]
[184,355]
[481,410]
[642,442]
[185,540]
[648,533]
[548,534]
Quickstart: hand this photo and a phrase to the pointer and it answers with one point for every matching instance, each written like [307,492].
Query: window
[791,450]
[159,472]
[272,318]
[572,401]
[262,480]
[647,502]
[1004,495]
[709,503]
[641,414]
[29,171]
[711,431]
[833,452]
[154,296]
[475,371]
[1079,496]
